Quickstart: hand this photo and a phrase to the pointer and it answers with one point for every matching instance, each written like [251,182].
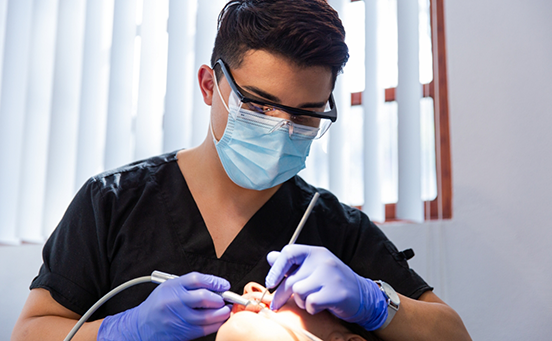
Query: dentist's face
[275,79]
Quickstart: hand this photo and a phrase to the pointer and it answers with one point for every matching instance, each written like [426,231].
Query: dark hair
[307,32]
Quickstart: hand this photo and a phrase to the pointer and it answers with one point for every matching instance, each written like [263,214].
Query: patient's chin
[250,326]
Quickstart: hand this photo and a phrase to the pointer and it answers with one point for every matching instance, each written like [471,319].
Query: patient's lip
[254,297]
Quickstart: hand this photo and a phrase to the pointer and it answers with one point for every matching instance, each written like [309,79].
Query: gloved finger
[196,280]
[306,285]
[286,288]
[325,299]
[202,298]
[272,256]
[304,288]
[281,296]
[289,256]
[205,317]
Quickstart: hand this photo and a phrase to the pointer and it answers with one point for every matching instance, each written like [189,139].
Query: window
[436,161]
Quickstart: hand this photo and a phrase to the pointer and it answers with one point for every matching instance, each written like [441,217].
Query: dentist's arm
[183,308]
[319,280]
[42,318]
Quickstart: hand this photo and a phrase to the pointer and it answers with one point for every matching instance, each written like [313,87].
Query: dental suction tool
[156,277]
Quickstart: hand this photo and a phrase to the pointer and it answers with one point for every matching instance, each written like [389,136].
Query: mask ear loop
[218,91]
[223,102]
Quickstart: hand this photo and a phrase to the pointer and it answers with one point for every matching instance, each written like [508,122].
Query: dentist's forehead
[276,79]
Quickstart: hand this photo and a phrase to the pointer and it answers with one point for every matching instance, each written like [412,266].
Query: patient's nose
[253,287]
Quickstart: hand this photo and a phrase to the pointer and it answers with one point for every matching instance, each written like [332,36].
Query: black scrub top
[128,222]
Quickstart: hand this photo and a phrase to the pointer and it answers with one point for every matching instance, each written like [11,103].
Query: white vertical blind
[373,98]
[153,70]
[3,12]
[118,139]
[64,121]
[12,112]
[94,86]
[177,123]
[37,121]
[408,94]
[337,135]
[207,14]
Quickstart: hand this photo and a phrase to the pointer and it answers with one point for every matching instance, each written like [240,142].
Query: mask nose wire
[281,124]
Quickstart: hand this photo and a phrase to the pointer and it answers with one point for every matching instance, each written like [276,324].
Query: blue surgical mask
[259,151]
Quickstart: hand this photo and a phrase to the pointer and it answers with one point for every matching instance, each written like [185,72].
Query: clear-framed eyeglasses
[299,123]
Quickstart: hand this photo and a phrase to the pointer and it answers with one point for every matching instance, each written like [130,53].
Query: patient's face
[247,324]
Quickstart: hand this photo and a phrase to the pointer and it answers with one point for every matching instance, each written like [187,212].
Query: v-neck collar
[256,236]
[268,229]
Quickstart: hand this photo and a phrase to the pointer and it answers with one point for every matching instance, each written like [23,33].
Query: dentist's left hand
[182,308]
[319,280]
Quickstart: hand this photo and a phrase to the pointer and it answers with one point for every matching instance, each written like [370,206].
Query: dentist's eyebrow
[265,95]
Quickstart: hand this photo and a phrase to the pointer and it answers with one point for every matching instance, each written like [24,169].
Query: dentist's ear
[206,83]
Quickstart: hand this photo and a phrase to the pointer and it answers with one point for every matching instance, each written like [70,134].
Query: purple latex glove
[319,280]
[182,308]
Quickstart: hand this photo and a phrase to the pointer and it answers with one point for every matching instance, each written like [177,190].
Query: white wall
[490,261]
[18,266]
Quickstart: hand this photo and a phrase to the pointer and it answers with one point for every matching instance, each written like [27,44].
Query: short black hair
[307,32]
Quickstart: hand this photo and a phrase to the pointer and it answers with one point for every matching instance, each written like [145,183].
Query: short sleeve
[350,235]
[75,269]
[377,258]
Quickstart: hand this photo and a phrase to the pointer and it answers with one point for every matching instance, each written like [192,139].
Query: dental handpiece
[157,277]
[232,297]
[228,296]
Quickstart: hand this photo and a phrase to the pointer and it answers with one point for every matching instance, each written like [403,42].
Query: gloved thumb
[196,280]
[272,256]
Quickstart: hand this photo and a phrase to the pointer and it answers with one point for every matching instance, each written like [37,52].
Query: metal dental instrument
[232,297]
[228,296]
[304,219]
[297,232]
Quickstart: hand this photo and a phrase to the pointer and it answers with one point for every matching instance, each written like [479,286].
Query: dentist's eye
[261,109]
[305,120]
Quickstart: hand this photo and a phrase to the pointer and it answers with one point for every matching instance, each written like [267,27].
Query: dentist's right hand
[182,308]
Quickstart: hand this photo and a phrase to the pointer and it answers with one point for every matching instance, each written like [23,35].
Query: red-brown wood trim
[390,94]
[444,181]
[427,91]
[356,98]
